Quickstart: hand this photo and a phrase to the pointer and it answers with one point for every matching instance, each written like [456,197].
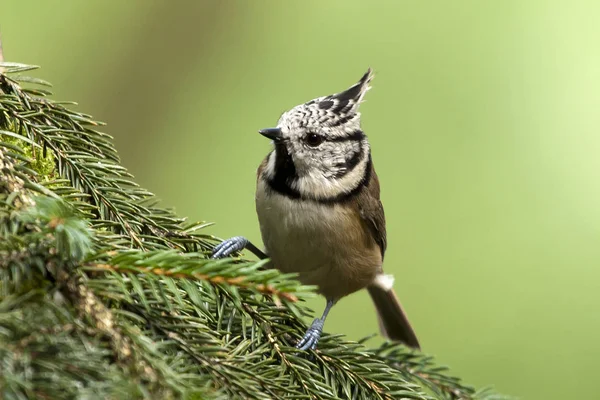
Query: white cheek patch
[316,185]
[335,155]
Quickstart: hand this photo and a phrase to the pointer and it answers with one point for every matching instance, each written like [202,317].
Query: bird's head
[320,149]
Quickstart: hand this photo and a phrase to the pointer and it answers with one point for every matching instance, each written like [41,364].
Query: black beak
[271,133]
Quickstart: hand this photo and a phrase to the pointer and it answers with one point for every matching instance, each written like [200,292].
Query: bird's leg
[229,246]
[313,334]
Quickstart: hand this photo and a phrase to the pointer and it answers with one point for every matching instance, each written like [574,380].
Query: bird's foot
[229,246]
[312,336]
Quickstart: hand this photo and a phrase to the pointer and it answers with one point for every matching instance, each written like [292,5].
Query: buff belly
[326,244]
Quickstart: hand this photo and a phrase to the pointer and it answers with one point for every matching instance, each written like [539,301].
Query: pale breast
[325,243]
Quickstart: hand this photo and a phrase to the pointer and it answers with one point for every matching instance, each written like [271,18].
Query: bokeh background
[484,122]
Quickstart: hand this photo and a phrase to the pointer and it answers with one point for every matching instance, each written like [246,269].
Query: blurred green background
[484,122]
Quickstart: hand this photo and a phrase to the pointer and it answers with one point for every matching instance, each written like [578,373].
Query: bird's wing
[371,211]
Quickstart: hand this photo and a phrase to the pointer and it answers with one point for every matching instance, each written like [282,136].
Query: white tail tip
[385,282]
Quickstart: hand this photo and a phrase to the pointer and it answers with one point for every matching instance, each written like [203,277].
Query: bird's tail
[393,322]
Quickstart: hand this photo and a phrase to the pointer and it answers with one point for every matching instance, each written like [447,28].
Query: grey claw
[312,336]
[229,246]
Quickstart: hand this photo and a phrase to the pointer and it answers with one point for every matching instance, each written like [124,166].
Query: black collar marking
[285,175]
[285,172]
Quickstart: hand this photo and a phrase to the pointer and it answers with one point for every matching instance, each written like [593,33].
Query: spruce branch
[104,294]
[186,270]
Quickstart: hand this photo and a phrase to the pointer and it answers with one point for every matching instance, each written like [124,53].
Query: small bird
[317,200]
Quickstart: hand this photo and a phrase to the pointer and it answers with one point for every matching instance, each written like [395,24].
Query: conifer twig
[239,281]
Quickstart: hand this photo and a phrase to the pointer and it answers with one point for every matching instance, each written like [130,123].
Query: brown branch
[456,393]
[239,281]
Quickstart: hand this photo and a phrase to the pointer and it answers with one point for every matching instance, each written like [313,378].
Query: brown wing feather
[371,211]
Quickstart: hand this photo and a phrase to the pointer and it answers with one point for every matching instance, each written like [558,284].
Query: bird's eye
[313,140]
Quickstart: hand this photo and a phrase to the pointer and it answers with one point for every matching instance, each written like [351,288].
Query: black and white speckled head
[320,151]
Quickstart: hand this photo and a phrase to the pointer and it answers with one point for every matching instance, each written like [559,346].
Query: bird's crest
[335,110]
[338,108]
